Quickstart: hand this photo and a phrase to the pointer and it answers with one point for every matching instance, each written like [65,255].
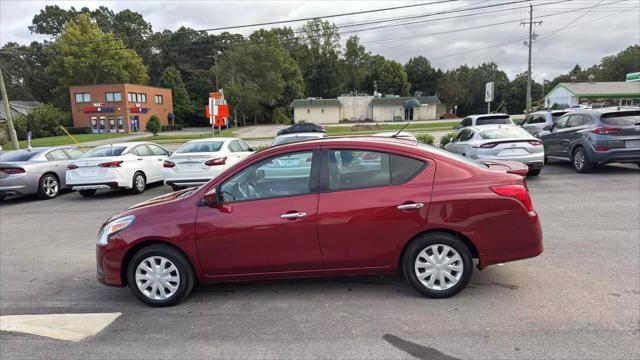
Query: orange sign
[223,110]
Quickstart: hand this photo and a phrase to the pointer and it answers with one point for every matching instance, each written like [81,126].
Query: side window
[354,169]
[141,150]
[466,122]
[404,168]
[464,135]
[157,150]
[244,146]
[73,153]
[586,120]
[562,122]
[527,120]
[282,175]
[234,146]
[574,120]
[57,155]
[538,119]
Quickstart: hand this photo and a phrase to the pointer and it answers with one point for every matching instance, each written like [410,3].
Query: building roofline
[122,84]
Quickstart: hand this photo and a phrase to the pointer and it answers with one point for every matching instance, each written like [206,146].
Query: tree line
[261,74]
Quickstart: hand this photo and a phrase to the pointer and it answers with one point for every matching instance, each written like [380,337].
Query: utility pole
[7,110]
[532,36]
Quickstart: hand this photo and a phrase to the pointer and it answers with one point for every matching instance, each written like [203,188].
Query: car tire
[534,172]
[87,193]
[159,259]
[417,259]
[48,187]
[177,188]
[546,160]
[139,183]
[580,160]
[2,197]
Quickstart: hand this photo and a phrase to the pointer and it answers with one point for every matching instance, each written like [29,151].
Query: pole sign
[488,92]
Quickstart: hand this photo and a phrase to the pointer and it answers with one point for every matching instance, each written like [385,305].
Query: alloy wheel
[439,267]
[140,183]
[578,159]
[157,278]
[50,186]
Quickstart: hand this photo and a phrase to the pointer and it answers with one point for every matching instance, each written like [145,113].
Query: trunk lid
[511,167]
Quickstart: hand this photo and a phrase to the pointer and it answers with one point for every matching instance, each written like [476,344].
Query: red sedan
[331,207]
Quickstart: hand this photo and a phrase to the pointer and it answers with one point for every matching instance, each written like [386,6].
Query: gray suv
[590,137]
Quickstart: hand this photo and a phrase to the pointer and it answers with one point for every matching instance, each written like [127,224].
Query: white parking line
[69,327]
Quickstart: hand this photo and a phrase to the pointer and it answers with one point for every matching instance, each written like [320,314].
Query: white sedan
[129,165]
[198,161]
[499,142]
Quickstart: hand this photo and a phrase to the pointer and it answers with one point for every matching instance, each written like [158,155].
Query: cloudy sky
[572,31]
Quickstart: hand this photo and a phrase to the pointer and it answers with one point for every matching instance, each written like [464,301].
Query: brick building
[119,107]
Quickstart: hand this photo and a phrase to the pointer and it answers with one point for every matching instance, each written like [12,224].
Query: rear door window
[538,119]
[141,150]
[356,169]
[157,150]
[74,153]
[235,147]
[57,155]
[574,121]
[404,168]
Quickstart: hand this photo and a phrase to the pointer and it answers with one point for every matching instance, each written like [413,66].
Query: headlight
[113,227]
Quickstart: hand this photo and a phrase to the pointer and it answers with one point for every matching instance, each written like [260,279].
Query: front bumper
[109,259]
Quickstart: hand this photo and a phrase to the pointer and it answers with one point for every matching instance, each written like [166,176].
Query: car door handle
[295,215]
[410,206]
[139,159]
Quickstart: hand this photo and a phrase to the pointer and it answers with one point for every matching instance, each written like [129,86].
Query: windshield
[292,139]
[490,120]
[504,134]
[623,118]
[104,151]
[20,155]
[200,147]
[451,155]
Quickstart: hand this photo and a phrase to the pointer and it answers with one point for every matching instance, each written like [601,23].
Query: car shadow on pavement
[565,167]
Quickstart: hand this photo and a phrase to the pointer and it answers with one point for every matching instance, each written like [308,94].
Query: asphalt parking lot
[579,300]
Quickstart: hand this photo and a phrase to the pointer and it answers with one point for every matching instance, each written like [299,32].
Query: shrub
[426,139]
[446,138]
[280,116]
[78,130]
[153,125]
[42,121]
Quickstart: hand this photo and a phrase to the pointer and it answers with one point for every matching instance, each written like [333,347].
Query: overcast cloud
[589,35]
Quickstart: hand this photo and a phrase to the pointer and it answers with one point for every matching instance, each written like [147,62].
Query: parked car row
[585,137]
[127,165]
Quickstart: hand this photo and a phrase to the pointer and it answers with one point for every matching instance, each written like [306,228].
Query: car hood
[512,167]
[159,199]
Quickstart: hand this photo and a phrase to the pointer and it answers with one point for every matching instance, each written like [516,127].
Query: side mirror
[169,153]
[210,198]
[252,148]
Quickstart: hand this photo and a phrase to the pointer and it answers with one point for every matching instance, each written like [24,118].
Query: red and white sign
[217,111]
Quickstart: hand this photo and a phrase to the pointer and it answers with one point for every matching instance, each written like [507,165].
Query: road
[579,300]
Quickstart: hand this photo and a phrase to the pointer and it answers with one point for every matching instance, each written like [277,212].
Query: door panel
[363,227]
[251,237]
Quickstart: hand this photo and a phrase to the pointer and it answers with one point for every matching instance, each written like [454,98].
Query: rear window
[292,139]
[623,118]
[490,120]
[404,168]
[19,155]
[451,155]
[200,146]
[504,134]
[104,151]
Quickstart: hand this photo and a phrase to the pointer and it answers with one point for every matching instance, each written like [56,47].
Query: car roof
[475,116]
[314,134]
[481,128]
[213,139]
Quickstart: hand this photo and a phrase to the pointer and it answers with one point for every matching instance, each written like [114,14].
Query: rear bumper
[111,182]
[112,185]
[186,182]
[18,185]
[615,155]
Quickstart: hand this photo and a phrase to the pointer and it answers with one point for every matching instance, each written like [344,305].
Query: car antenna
[398,133]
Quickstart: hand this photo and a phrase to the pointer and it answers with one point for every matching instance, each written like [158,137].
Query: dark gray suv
[589,137]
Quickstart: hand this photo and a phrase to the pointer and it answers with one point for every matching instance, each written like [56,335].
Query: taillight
[12,171]
[110,164]
[535,142]
[515,191]
[605,130]
[168,164]
[216,161]
[72,167]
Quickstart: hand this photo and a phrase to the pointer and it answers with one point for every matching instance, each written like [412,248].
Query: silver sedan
[499,142]
[38,171]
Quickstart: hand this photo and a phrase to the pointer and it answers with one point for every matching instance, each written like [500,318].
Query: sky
[572,32]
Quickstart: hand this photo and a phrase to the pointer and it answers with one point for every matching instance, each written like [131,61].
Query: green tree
[422,76]
[42,121]
[319,59]
[388,76]
[153,125]
[182,105]
[259,78]
[354,65]
[82,55]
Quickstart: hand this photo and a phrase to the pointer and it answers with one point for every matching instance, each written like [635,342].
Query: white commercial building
[591,93]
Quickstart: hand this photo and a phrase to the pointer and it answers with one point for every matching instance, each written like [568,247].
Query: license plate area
[632,144]
[513,152]
[87,172]
[190,167]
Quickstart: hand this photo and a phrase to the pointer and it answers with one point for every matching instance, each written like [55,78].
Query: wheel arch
[143,244]
[472,247]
